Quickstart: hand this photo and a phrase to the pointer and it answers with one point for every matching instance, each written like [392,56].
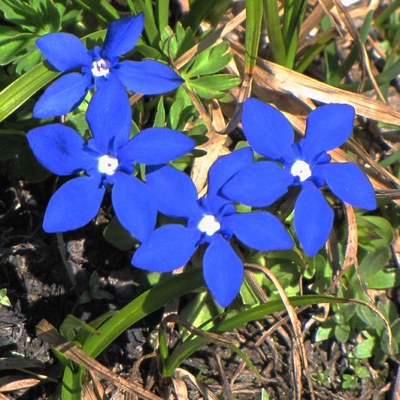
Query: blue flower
[106,159]
[305,164]
[210,220]
[99,66]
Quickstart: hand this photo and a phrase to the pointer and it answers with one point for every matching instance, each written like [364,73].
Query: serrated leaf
[214,86]
[210,61]
[12,48]
[28,61]
[21,14]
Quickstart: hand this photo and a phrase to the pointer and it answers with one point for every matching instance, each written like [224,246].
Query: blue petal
[62,96]
[109,116]
[154,146]
[174,191]
[122,36]
[59,148]
[168,248]
[259,230]
[73,205]
[267,130]
[147,77]
[258,185]
[348,182]
[328,127]
[227,166]
[222,270]
[64,51]
[134,205]
[313,219]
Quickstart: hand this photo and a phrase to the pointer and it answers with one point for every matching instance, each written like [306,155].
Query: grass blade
[277,44]
[254,13]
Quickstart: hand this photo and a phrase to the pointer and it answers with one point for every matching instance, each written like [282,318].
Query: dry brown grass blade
[215,147]
[281,79]
[313,19]
[201,387]
[180,389]
[47,333]
[13,383]
[298,338]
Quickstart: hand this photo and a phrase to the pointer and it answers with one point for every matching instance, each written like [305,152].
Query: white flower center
[100,67]
[107,165]
[209,224]
[301,169]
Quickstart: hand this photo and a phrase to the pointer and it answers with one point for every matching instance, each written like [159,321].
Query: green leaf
[294,11]
[28,61]
[254,14]
[342,333]
[210,61]
[23,88]
[214,86]
[21,14]
[199,11]
[373,262]
[150,26]
[115,234]
[325,331]
[4,300]
[200,313]
[366,348]
[277,44]
[159,119]
[162,13]
[374,232]
[49,14]
[11,48]
[101,8]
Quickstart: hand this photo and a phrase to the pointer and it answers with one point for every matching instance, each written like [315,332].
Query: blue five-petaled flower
[106,159]
[210,220]
[98,67]
[305,164]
